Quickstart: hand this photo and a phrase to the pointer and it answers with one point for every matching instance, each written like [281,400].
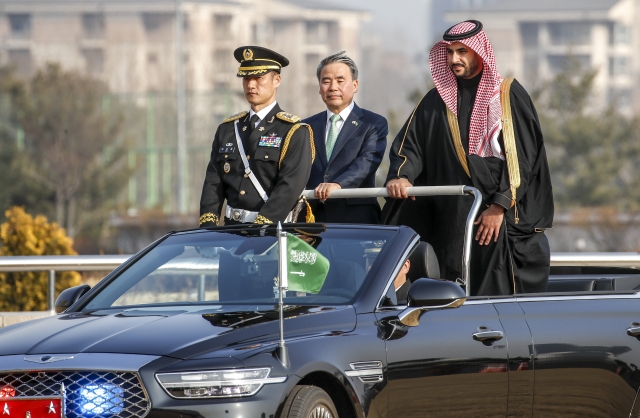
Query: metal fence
[55,263]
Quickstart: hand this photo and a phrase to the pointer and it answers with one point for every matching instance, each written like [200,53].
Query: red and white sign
[31,408]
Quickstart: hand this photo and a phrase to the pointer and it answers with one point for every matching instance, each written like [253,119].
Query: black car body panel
[548,354]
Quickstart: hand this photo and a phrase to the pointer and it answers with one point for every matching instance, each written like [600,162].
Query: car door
[585,362]
[438,369]
[520,348]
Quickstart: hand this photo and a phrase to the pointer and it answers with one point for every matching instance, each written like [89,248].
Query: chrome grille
[120,394]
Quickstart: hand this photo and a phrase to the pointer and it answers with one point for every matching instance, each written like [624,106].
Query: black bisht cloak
[423,153]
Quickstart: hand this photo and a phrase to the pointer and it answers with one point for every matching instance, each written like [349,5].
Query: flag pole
[283,283]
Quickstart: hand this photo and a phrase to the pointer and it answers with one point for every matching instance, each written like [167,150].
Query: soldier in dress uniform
[260,159]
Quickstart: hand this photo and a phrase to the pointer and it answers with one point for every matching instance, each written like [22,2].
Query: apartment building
[532,40]
[132,45]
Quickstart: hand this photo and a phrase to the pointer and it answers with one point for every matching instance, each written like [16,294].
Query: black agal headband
[459,36]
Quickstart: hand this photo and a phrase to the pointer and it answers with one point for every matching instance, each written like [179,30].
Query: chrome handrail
[84,263]
[61,262]
[425,191]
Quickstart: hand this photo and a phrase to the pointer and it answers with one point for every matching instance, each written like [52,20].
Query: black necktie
[252,122]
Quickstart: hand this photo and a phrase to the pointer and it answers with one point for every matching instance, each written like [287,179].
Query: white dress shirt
[343,115]
[262,113]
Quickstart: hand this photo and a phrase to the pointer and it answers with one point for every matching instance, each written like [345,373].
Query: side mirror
[70,296]
[427,294]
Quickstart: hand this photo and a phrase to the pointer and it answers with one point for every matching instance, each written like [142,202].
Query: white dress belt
[240,215]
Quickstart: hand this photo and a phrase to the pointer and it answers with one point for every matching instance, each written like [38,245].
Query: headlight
[216,383]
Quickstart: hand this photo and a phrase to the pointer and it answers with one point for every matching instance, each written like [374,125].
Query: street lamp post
[180,103]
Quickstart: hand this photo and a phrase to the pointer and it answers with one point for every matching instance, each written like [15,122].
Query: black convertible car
[189,327]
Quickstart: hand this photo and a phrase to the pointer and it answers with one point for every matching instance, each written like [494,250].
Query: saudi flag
[307,268]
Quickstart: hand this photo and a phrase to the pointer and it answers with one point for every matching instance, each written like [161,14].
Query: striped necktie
[333,134]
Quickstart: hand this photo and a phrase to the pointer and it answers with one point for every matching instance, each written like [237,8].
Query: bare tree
[75,144]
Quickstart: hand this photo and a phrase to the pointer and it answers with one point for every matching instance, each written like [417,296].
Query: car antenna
[283,284]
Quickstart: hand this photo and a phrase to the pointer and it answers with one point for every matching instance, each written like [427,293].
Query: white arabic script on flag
[306,257]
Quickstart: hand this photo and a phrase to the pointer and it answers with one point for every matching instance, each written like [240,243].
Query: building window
[21,61]
[159,26]
[619,66]
[562,63]
[94,59]
[20,25]
[531,68]
[529,33]
[223,61]
[570,33]
[222,27]
[254,34]
[620,97]
[316,32]
[281,28]
[312,61]
[620,34]
[93,25]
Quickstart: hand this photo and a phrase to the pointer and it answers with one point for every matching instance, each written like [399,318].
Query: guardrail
[54,263]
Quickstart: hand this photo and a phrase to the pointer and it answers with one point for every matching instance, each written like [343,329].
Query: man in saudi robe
[476,129]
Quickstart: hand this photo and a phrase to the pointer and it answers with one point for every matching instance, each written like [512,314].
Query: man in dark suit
[350,143]
[401,284]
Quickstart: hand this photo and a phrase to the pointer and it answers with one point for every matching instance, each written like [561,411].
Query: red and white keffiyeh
[486,115]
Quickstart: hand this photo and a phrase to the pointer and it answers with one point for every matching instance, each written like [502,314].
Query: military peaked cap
[256,61]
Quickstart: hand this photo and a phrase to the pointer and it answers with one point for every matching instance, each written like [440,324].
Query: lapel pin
[355,123]
[272,118]
[261,128]
[244,128]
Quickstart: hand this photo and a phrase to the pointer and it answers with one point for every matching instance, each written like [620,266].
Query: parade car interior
[190,327]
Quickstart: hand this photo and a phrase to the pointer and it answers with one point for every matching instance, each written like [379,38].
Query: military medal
[226,167]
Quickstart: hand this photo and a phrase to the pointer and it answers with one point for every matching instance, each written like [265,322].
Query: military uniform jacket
[280,152]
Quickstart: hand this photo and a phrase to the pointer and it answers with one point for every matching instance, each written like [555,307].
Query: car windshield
[236,267]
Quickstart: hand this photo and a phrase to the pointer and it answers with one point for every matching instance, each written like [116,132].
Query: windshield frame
[80,306]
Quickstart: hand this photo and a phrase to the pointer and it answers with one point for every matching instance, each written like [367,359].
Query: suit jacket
[403,292]
[280,154]
[356,156]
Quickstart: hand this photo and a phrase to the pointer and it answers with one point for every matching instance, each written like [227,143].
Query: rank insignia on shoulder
[288,117]
[270,141]
[235,117]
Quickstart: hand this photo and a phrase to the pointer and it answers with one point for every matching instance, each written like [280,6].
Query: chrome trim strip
[575,297]
[364,372]
[405,255]
[107,362]
[366,365]
[44,359]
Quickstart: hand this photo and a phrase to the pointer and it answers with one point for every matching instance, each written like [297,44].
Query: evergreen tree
[23,234]
[592,148]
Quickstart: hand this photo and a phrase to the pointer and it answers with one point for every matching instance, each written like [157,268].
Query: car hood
[177,332]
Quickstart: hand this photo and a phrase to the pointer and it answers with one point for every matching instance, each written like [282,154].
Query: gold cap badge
[248,55]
